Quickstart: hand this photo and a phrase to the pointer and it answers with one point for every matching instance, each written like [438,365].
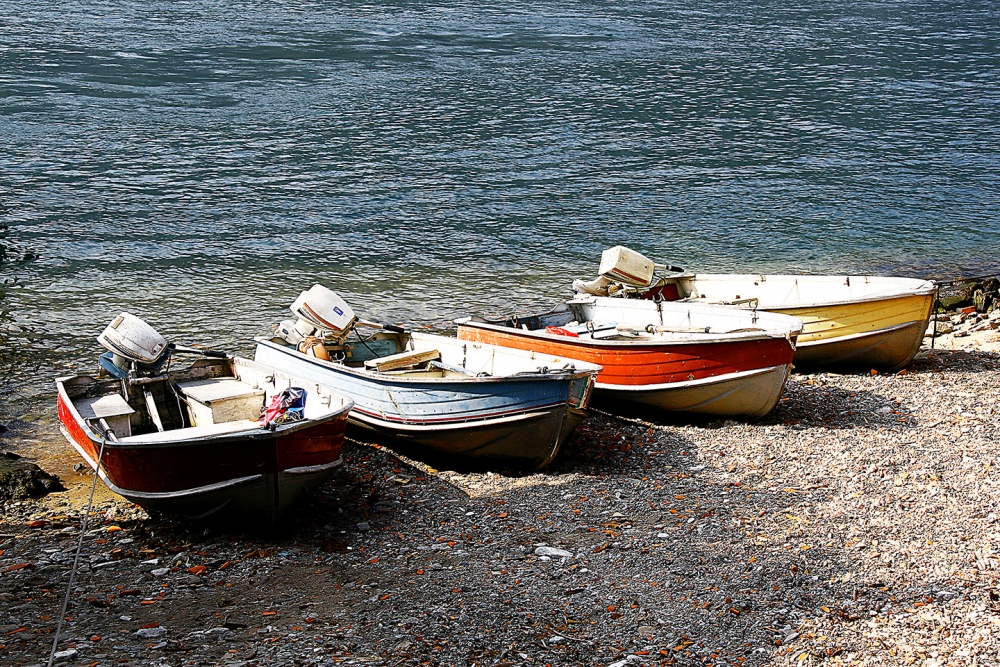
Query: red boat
[192,441]
[672,356]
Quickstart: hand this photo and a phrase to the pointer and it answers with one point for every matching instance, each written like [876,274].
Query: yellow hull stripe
[824,323]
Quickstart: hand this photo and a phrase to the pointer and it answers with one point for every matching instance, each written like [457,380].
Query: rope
[76,557]
[630,420]
[969,279]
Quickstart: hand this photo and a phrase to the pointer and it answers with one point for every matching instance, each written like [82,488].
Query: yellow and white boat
[851,322]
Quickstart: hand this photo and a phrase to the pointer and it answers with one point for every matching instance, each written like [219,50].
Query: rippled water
[199,163]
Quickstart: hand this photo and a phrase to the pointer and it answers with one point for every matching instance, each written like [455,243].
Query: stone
[943,328]
[553,552]
[955,301]
[982,300]
[20,479]
[151,633]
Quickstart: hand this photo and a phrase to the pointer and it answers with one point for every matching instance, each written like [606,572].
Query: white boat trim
[309,470]
[373,420]
[690,384]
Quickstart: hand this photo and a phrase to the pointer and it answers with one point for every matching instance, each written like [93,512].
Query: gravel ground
[856,524]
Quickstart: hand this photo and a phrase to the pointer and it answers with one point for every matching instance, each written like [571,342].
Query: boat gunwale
[924,288]
[699,338]
[258,433]
[383,379]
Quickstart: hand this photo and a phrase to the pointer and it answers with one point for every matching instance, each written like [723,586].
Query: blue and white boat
[464,402]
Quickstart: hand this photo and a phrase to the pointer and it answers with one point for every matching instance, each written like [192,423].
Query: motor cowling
[133,345]
[320,312]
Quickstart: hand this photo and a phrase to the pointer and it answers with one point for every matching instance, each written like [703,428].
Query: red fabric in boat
[662,293]
[559,331]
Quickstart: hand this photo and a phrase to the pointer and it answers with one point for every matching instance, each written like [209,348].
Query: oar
[217,354]
[649,328]
[394,328]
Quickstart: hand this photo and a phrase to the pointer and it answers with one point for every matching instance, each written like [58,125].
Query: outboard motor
[133,347]
[322,314]
[625,272]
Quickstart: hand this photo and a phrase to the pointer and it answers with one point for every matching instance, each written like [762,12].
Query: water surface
[200,163]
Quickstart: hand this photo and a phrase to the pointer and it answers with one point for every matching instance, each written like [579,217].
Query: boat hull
[850,322]
[489,443]
[256,475]
[728,378]
[884,334]
[489,421]
[749,394]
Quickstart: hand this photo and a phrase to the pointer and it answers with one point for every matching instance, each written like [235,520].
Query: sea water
[200,163]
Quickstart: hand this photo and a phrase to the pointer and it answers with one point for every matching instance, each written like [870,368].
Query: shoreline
[853,525]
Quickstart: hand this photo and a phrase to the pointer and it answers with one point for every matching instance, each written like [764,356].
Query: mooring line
[631,420]
[969,279]
[76,558]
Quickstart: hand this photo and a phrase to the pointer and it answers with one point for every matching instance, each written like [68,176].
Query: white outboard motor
[320,312]
[626,266]
[624,271]
[132,345]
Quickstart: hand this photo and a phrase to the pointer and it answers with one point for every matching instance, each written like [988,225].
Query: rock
[20,479]
[955,301]
[68,653]
[942,329]
[553,552]
[627,661]
[982,300]
[151,633]
[364,527]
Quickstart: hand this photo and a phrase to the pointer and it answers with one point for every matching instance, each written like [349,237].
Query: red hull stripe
[175,468]
[644,364]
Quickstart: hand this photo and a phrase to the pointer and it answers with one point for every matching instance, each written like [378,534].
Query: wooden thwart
[402,360]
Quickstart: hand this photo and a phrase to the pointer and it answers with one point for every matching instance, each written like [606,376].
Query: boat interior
[789,291]
[416,355]
[212,397]
[618,319]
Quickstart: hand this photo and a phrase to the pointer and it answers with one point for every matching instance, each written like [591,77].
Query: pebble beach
[854,525]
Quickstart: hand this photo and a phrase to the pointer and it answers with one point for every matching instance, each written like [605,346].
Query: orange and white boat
[678,357]
[851,322]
